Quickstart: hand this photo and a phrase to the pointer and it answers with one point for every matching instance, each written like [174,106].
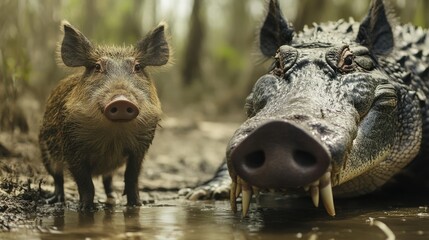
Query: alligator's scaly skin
[407,64]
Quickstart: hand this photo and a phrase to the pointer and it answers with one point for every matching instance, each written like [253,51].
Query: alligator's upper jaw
[280,155]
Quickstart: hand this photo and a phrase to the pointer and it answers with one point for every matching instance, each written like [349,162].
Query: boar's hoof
[87,207]
[55,198]
[121,109]
[279,154]
[134,203]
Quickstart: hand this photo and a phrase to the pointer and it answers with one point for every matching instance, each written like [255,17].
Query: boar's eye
[137,68]
[98,67]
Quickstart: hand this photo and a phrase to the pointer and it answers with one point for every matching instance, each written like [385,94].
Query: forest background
[216,61]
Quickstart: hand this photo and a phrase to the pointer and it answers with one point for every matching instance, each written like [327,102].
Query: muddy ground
[185,152]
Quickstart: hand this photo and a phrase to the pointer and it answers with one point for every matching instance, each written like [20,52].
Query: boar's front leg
[58,195]
[85,186]
[107,183]
[54,168]
[132,172]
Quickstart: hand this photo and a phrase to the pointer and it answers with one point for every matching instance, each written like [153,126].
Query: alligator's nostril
[255,159]
[113,109]
[130,110]
[304,159]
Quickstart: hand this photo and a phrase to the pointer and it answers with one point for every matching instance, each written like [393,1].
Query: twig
[383,227]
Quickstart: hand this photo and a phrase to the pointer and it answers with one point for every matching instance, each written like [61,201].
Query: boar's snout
[279,154]
[121,109]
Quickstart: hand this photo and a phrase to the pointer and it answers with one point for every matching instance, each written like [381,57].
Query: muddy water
[272,218]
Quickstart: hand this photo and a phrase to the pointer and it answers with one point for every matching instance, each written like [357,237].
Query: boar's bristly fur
[103,117]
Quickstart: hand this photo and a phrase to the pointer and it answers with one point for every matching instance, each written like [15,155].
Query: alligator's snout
[279,154]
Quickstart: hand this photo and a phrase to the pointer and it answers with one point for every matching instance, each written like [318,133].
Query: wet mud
[271,218]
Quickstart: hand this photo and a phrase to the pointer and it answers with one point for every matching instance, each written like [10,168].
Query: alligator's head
[327,118]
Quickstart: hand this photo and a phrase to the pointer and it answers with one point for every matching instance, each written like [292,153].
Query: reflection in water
[187,220]
[273,218]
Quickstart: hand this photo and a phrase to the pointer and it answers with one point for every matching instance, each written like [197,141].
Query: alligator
[343,112]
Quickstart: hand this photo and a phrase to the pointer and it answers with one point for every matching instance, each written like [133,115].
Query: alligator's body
[346,105]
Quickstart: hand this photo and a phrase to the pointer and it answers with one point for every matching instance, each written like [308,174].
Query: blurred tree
[27,47]
[422,17]
[91,17]
[133,29]
[414,11]
[309,11]
[233,57]
[217,48]
[11,115]
[191,67]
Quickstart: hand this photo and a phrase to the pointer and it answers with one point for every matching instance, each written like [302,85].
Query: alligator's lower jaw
[321,188]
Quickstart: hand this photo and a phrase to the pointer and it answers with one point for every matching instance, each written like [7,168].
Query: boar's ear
[275,31]
[153,50]
[75,48]
[375,31]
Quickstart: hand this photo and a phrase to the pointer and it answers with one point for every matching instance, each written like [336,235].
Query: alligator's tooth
[326,193]
[314,192]
[246,196]
[245,202]
[238,189]
[315,183]
[232,198]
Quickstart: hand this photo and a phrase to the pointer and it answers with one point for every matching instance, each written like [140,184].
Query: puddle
[272,218]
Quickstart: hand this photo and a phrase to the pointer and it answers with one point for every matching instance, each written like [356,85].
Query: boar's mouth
[279,155]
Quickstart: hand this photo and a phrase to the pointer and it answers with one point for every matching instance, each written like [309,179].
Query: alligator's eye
[285,58]
[277,68]
[348,60]
[137,68]
[345,63]
[98,67]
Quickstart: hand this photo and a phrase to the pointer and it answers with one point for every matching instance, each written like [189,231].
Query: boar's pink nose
[121,109]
